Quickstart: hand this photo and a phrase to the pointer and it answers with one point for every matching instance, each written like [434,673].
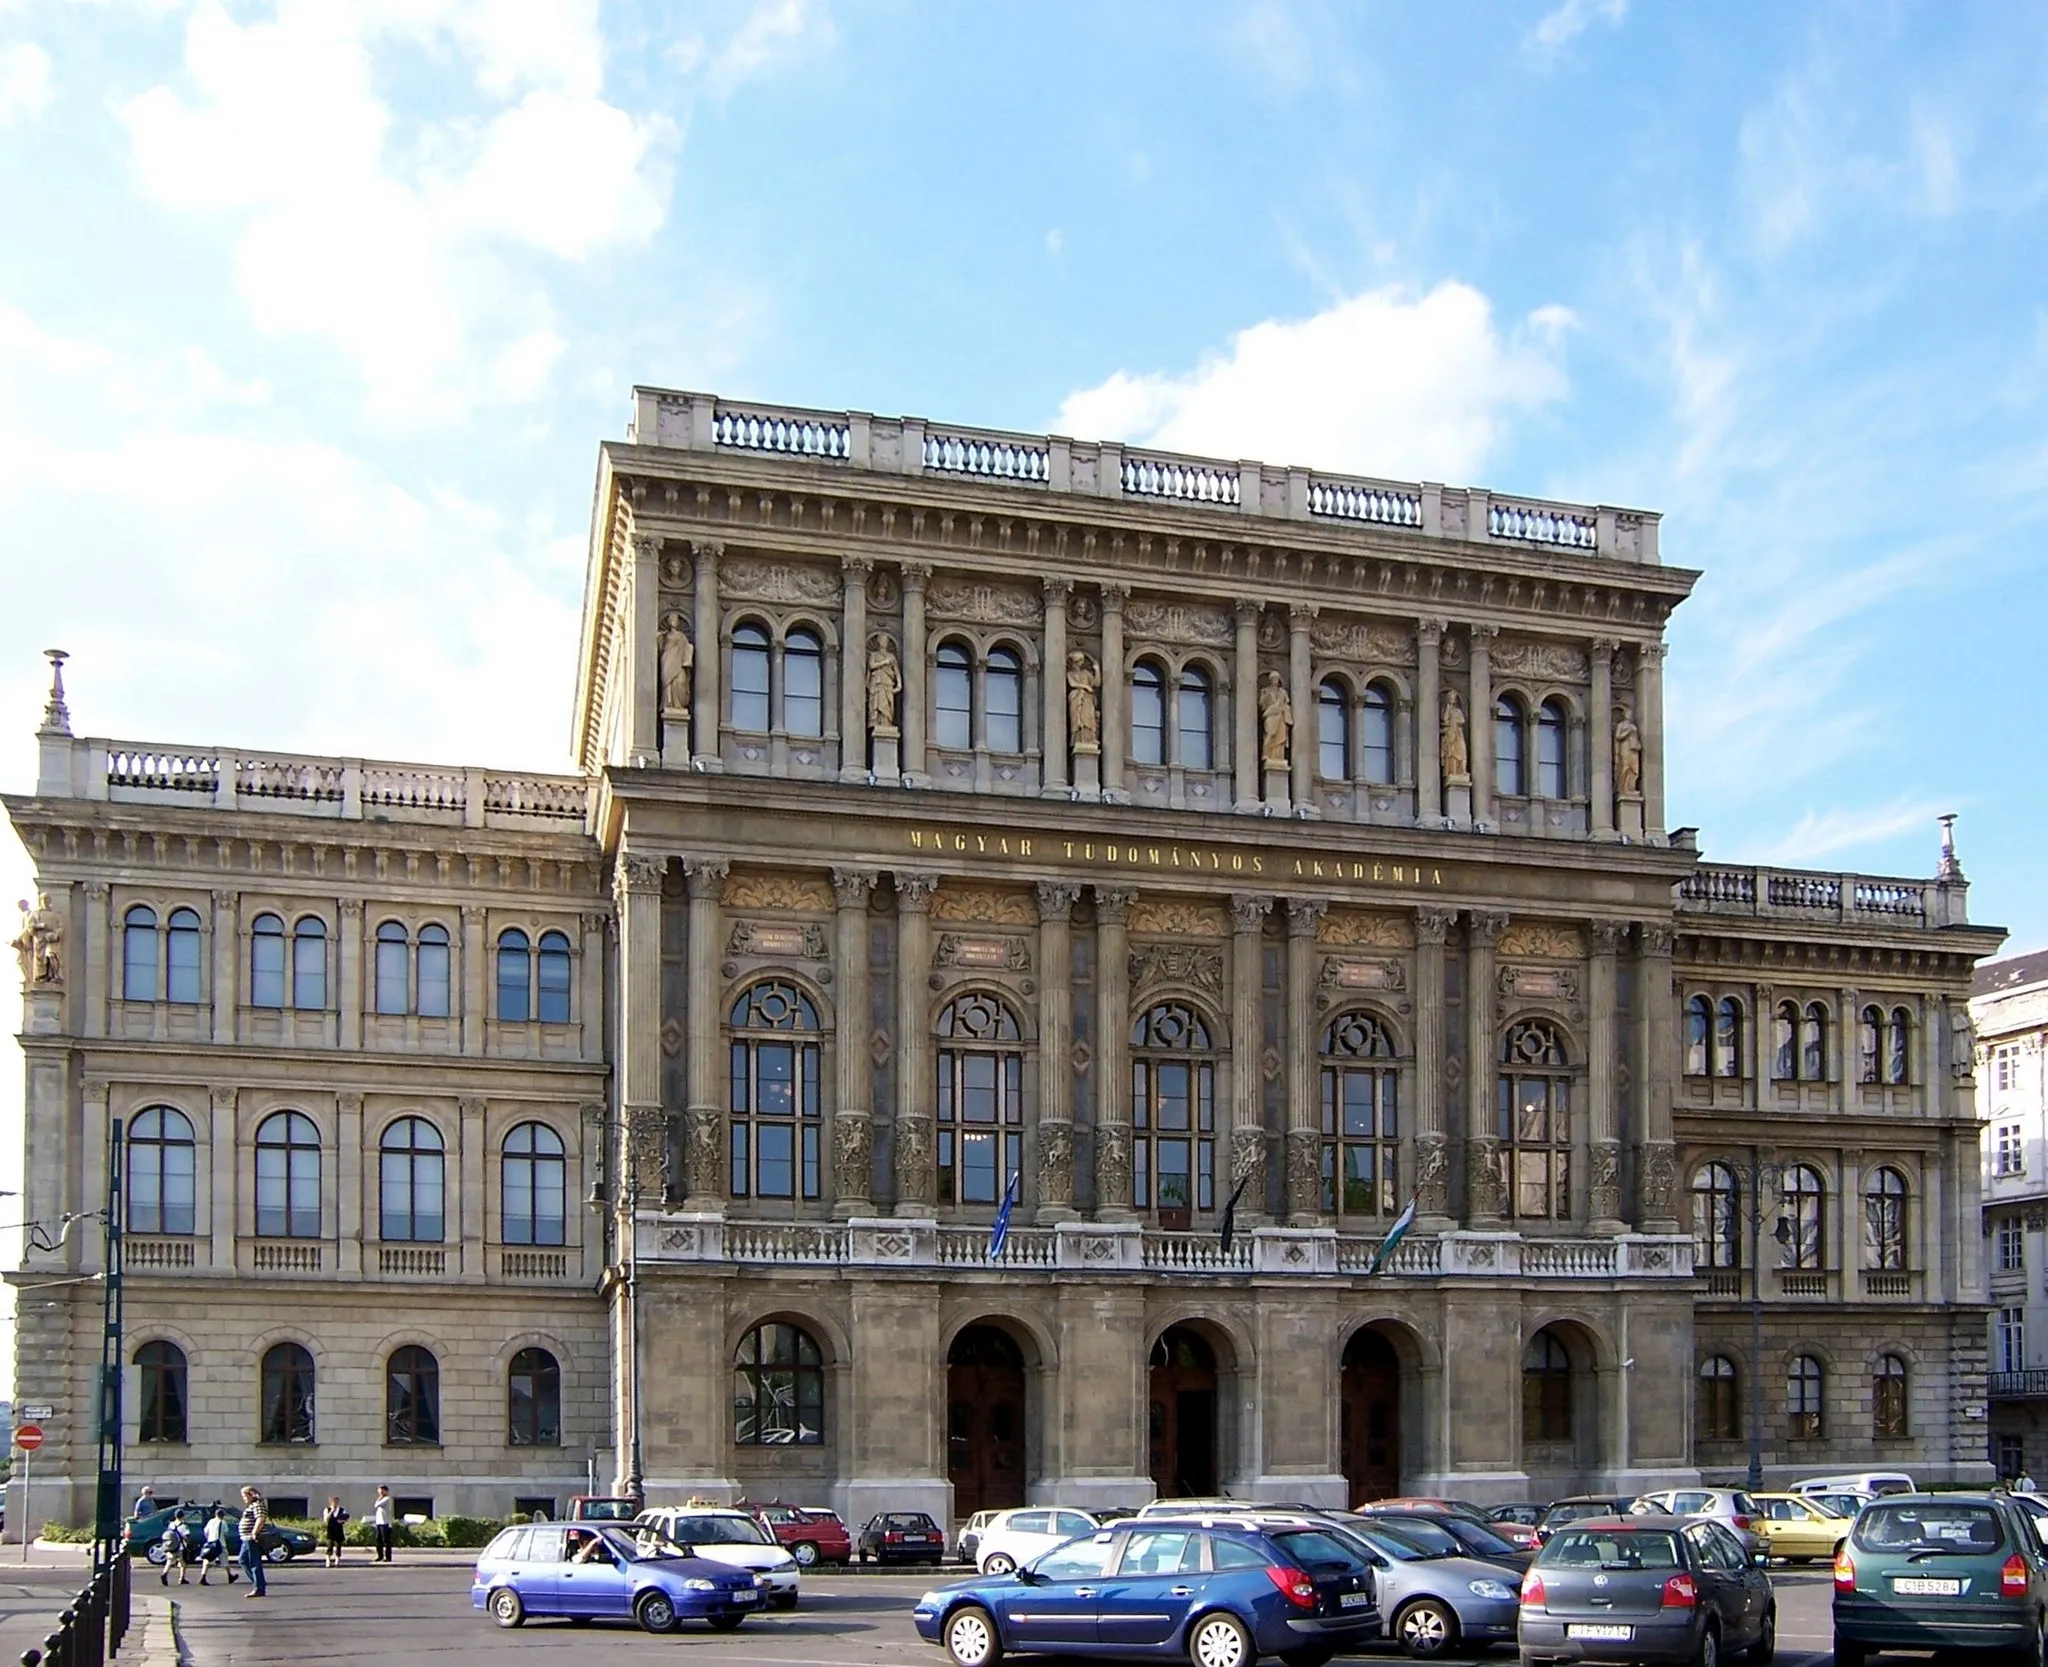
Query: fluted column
[705,1124]
[917,681]
[1056,901]
[1304,1101]
[917,1171]
[1432,1155]
[1650,719]
[1301,694]
[1603,1196]
[1479,726]
[636,888]
[853,1127]
[1600,732]
[1244,707]
[1113,1052]
[1052,728]
[853,667]
[1429,758]
[1247,1071]
[707,710]
[1657,1170]
[1485,1200]
[1116,723]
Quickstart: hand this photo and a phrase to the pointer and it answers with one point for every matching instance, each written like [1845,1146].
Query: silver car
[1733,1509]
[1433,1596]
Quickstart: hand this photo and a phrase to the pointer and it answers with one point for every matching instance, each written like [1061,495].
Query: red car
[812,1535]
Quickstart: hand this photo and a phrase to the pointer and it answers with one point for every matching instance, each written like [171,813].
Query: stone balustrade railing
[1859,900]
[1105,469]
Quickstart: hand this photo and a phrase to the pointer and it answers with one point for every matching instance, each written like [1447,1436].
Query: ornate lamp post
[1761,1175]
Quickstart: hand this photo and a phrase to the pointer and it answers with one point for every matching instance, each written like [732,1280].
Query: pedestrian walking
[382,1513]
[178,1553]
[334,1523]
[2023,1483]
[255,1518]
[145,1503]
[213,1546]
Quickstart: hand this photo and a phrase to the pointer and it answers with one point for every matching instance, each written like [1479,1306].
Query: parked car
[1451,1533]
[1647,1589]
[1940,1572]
[1433,1598]
[604,1507]
[1797,1528]
[1405,1502]
[1180,1507]
[810,1533]
[1729,1506]
[594,1573]
[1214,1590]
[902,1537]
[1843,1504]
[1114,1513]
[1014,1538]
[1879,1482]
[1517,1524]
[730,1537]
[2035,1508]
[144,1536]
[1579,1507]
[969,1541]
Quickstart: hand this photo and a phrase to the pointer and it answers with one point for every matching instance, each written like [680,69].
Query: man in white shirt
[382,1514]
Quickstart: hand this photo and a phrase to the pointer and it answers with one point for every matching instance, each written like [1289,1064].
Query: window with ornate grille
[285,1409]
[533,1400]
[776,1107]
[1546,1389]
[778,1388]
[1173,1114]
[1805,1385]
[1720,1399]
[1717,1216]
[412,1398]
[1803,1204]
[981,1100]
[1535,1124]
[1884,1220]
[1888,1398]
[160,1374]
[1361,1120]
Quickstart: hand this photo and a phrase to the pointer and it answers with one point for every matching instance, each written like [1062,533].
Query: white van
[1879,1482]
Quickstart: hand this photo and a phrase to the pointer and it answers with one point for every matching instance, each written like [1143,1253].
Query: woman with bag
[334,1522]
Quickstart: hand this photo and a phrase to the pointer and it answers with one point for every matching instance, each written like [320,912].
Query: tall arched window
[410,1175]
[1173,1114]
[393,972]
[778,1388]
[953,697]
[1376,734]
[1803,1205]
[288,1177]
[750,663]
[1509,778]
[1333,731]
[1813,1043]
[1534,1122]
[803,684]
[552,985]
[1717,1216]
[776,1104]
[309,964]
[1889,1399]
[285,1396]
[1805,1392]
[1898,1047]
[1728,1037]
[138,954]
[1148,713]
[1785,1044]
[266,961]
[1551,780]
[433,972]
[1361,1123]
[1197,749]
[981,1100]
[533,1400]
[1719,1399]
[1699,1026]
[1003,700]
[1546,1389]
[160,1392]
[412,1398]
[515,977]
[535,1186]
[1884,1220]
[181,956]
[161,1166]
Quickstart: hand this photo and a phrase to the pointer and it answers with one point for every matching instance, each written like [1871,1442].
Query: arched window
[1361,1122]
[1805,1388]
[750,678]
[1550,737]
[1888,1399]
[1719,1403]
[515,977]
[1510,778]
[1333,731]
[394,958]
[161,1166]
[535,1186]
[981,1100]
[1173,1114]
[1813,1043]
[181,956]
[1196,748]
[138,954]
[1717,1216]
[412,1398]
[533,1400]
[776,1105]
[1699,1024]
[778,1388]
[1898,1047]
[285,1405]
[1376,737]
[266,961]
[1869,1044]
[1534,1123]
[1003,683]
[433,972]
[309,964]
[288,1177]
[803,683]
[1785,1044]
[1803,1206]
[1728,1038]
[1148,713]
[1884,1220]
[161,1392]
[953,697]
[1546,1389]
[552,986]
[410,1177]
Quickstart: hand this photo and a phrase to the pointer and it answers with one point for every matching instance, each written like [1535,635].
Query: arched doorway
[1370,1417]
[1182,1414]
[985,1420]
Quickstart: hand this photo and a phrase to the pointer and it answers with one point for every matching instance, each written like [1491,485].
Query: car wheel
[1426,1629]
[279,1553]
[724,1623]
[2029,1654]
[1306,1658]
[157,1554]
[1220,1640]
[1709,1652]
[1766,1645]
[971,1638]
[1849,1655]
[805,1553]
[506,1609]
[999,1563]
[655,1612]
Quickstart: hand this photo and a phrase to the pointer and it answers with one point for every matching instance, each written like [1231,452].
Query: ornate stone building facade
[966,816]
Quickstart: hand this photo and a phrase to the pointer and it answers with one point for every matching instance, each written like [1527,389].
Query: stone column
[1485,1198]
[475,986]
[917,681]
[1052,728]
[1600,730]
[1116,722]
[636,887]
[1247,1052]
[704,1120]
[853,1126]
[471,1155]
[348,973]
[1657,1171]
[1244,706]
[643,717]
[226,942]
[1301,693]
[1056,1050]
[853,668]
[1304,1139]
[1432,1156]
[1429,758]
[916,1150]
[1650,719]
[102,955]
[225,1146]
[1113,1052]
[707,708]
[1479,728]
[1603,1193]
[590,970]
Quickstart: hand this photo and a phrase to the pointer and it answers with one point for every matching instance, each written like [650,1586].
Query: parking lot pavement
[32,1596]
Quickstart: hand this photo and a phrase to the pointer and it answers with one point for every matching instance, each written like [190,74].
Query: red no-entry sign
[29,1437]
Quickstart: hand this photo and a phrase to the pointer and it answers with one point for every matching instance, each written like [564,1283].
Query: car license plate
[1600,1632]
[746,1597]
[1354,1600]
[1916,1586]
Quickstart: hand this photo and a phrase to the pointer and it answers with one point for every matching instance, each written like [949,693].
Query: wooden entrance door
[985,1420]
[1182,1415]
[1371,1418]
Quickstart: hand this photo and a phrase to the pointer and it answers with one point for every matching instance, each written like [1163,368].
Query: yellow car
[1797,1529]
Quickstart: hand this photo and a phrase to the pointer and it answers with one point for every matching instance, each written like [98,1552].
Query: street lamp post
[1761,1175]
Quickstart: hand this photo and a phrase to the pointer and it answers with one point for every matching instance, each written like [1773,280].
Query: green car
[1941,1571]
[144,1536]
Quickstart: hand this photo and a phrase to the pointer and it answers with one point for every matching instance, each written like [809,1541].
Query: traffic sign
[36,1414]
[29,1437]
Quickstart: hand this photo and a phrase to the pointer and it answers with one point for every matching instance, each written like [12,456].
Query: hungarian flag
[1230,1214]
[1395,1234]
[1002,1227]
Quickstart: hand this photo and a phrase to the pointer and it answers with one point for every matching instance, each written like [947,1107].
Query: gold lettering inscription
[1203,858]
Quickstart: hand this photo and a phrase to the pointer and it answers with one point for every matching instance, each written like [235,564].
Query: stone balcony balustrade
[1862,901]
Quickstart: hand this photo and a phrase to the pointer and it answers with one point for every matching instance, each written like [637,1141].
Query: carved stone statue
[1055,1162]
[1628,756]
[853,1154]
[1457,757]
[1112,1166]
[1962,1044]
[1084,715]
[1432,1175]
[40,945]
[1276,722]
[885,682]
[675,659]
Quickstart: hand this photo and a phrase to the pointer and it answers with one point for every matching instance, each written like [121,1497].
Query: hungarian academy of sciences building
[962,816]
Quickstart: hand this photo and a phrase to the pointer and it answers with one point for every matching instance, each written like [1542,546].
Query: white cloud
[767,38]
[1383,383]
[24,82]
[1825,833]
[1557,29]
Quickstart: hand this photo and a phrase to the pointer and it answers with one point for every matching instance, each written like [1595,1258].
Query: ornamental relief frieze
[984,905]
[1362,928]
[1537,984]
[992,952]
[1542,940]
[1343,976]
[1178,622]
[1184,966]
[982,602]
[1178,917]
[779,939]
[747,578]
[1363,639]
[794,893]
[1549,661]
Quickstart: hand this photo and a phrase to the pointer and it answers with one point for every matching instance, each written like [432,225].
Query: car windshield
[708,1530]
[1955,1530]
[608,1510]
[913,1521]
[1316,1551]
[1608,1548]
[652,1542]
[1382,1538]
[1427,1537]
[1484,1541]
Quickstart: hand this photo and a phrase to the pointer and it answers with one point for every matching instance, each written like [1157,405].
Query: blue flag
[1002,1227]
[1395,1234]
[1229,1232]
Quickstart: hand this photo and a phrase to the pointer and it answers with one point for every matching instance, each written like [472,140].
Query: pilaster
[475,958]
[1479,727]
[348,972]
[1429,762]
[1304,1139]
[97,941]
[916,1153]
[1650,718]
[1056,901]
[1052,727]
[1600,734]
[707,710]
[472,1165]
[1244,707]
[225,1147]
[1301,697]
[222,981]
[704,1123]
[636,885]
[1603,1195]
[1247,1074]
[1113,1052]
[1485,1199]
[1116,684]
[1432,1157]
[853,1131]
[1657,1169]
[853,666]
[917,679]
[643,736]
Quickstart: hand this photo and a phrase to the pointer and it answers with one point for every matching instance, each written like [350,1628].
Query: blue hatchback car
[593,1572]
[1217,1591]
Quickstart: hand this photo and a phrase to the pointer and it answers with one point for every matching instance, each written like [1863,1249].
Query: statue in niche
[1628,756]
[40,945]
[676,658]
[885,682]
[1276,721]
[1084,715]
[1457,758]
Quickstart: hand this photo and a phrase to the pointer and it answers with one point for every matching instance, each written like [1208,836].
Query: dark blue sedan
[588,1572]
[1217,1591]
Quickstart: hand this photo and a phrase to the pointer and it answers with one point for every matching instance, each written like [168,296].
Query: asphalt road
[417,1611]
